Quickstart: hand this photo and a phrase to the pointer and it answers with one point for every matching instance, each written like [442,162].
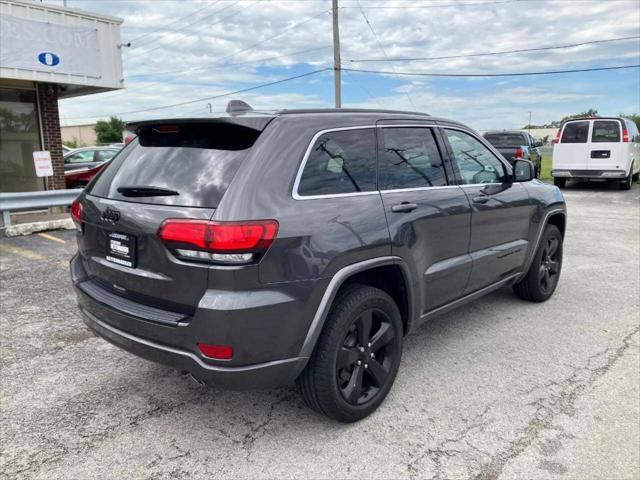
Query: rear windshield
[575,132]
[194,162]
[505,139]
[606,131]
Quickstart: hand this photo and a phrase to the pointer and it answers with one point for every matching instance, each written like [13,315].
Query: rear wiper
[145,191]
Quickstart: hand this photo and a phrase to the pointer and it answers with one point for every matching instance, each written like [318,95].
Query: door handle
[404,207]
[481,199]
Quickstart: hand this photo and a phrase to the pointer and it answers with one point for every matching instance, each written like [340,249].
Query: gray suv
[252,251]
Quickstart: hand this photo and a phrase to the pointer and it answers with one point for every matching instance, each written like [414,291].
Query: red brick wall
[48,102]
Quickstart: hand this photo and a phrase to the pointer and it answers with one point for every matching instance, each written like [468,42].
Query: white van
[597,148]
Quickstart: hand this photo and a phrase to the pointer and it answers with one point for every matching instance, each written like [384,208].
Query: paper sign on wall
[42,161]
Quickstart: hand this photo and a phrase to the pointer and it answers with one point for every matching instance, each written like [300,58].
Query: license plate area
[121,249]
[600,153]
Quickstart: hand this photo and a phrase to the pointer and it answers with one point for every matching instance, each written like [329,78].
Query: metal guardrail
[16,201]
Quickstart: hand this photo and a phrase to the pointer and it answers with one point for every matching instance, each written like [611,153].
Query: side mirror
[522,170]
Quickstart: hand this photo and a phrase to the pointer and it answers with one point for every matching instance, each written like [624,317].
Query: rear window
[605,131]
[575,132]
[194,161]
[505,139]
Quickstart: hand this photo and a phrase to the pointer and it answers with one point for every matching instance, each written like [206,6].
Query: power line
[381,47]
[503,52]
[377,7]
[146,52]
[188,102]
[471,75]
[169,24]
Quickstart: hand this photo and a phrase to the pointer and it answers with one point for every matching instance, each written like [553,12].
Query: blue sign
[49,59]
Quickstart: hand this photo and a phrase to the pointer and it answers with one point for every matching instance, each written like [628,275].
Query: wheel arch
[382,272]
[557,217]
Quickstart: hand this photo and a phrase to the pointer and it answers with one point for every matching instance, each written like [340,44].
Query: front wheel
[542,278]
[357,355]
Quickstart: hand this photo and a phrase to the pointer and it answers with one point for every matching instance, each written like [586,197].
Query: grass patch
[545,169]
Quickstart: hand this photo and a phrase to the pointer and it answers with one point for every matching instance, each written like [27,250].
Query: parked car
[516,144]
[597,148]
[88,157]
[252,251]
[80,177]
[66,150]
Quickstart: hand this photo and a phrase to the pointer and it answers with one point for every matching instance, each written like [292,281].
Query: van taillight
[77,211]
[558,135]
[519,153]
[625,135]
[218,242]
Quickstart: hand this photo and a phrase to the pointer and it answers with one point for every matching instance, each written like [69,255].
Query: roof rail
[347,110]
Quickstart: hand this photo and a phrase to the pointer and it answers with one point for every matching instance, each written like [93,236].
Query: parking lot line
[22,252]
[51,237]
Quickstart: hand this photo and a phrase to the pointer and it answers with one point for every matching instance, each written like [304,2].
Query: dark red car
[79,178]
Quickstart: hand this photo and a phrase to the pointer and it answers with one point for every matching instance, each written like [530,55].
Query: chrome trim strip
[296,183]
[323,309]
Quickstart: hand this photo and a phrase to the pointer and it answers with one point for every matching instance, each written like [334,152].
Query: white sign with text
[42,161]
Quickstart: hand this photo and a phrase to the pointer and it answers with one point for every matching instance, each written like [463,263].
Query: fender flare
[534,249]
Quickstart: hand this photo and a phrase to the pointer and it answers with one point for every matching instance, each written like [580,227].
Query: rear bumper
[259,376]
[604,174]
[266,349]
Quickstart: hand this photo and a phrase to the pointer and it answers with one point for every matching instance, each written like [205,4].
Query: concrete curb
[33,227]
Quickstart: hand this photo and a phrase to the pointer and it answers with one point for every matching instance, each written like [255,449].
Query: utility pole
[336,56]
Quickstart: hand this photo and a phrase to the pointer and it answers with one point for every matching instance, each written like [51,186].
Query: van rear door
[606,147]
[572,151]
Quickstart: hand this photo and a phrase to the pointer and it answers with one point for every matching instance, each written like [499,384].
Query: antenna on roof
[238,107]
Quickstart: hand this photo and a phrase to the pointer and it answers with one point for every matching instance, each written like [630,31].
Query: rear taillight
[558,136]
[77,211]
[219,242]
[519,153]
[625,135]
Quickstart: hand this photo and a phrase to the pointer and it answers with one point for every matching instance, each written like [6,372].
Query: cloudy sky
[187,50]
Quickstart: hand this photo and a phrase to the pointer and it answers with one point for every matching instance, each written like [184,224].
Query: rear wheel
[357,356]
[627,182]
[542,278]
[560,182]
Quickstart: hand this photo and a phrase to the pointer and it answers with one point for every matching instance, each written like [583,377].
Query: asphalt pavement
[499,388]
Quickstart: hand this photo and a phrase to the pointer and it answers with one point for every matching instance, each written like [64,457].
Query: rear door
[191,166]
[428,216]
[572,152]
[606,150]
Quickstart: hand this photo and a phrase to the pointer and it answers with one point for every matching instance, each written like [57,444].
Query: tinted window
[196,160]
[575,132]
[475,162]
[80,157]
[410,159]
[340,162]
[506,139]
[605,131]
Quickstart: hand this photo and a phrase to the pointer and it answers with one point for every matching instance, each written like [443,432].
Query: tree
[592,112]
[109,131]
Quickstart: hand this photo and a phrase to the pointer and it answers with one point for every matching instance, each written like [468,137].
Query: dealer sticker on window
[121,249]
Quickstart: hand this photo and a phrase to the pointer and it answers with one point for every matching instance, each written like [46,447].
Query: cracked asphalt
[500,388]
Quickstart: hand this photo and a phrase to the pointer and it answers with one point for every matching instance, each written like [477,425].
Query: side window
[410,159]
[475,162]
[605,131]
[80,157]
[104,155]
[343,161]
[575,132]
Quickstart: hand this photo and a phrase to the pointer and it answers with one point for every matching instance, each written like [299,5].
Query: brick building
[48,53]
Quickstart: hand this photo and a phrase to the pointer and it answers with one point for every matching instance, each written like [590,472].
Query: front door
[428,215]
[501,210]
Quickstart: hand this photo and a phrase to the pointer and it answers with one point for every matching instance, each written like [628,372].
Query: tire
[627,182]
[326,382]
[542,278]
[560,182]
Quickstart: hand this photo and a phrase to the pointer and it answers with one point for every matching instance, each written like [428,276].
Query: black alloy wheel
[549,265]
[366,357]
